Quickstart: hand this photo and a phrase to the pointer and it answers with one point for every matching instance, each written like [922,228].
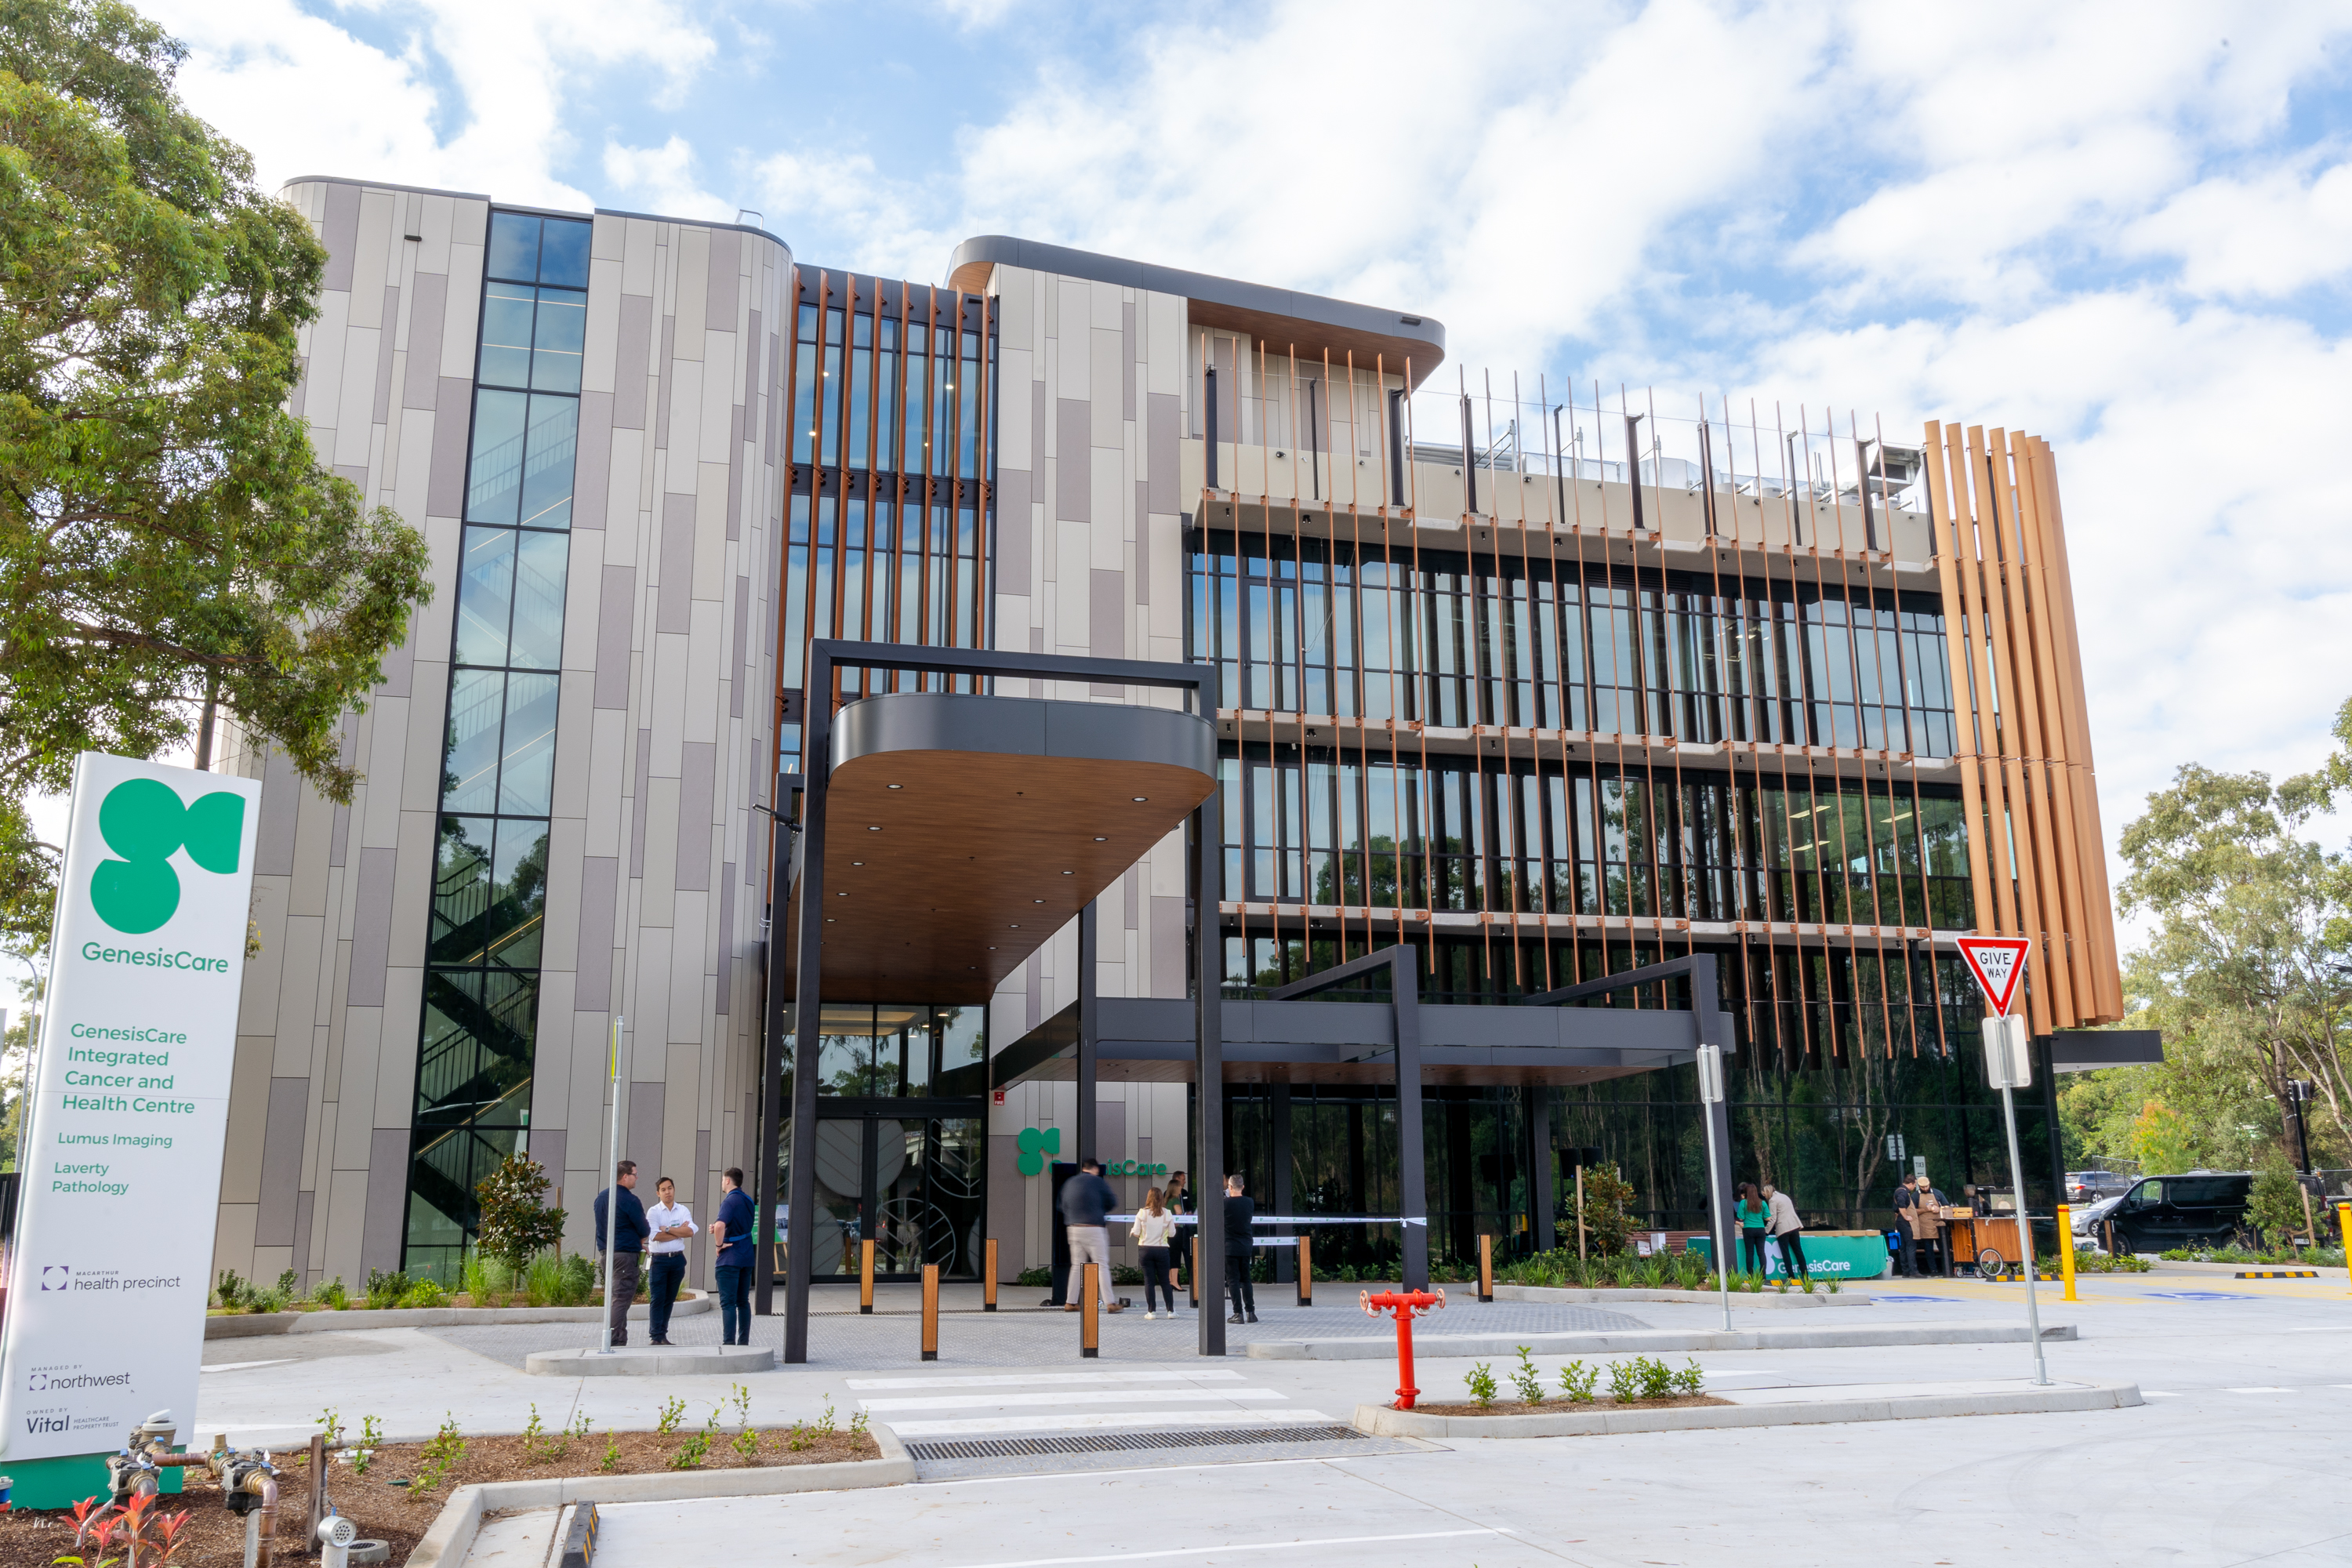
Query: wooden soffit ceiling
[962,831]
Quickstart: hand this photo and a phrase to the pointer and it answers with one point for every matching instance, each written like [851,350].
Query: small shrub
[230,1290]
[1657,1377]
[746,1445]
[858,1423]
[825,1424]
[443,1452]
[1576,1380]
[740,1396]
[1624,1381]
[612,1453]
[424,1293]
[534,1435]
[290,1285]
[1481,1385]
[516,1224]
[330,1426]
[673,1411]
[1689,1379]
[1035,1278]
[332,1296]
[268,1298]
[579,1281]
[385,1291]
[1526,1380]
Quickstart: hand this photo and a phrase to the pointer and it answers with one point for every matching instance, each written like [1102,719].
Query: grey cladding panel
[453,413]
[726,259]
[371,927]
[1107,614]
[1160,437]
[616,599]
[387,1198]
[281,1162]
[428,297]
[644,1134]
[592,473]
[1013,491]
[726,890]
[1073,461]
[698,770]
[636,339]
[674,606]
[600,882]
[340,235]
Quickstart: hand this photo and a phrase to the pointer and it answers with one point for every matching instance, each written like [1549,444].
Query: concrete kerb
[451,1539]
[1644,1341]
[254,1325]
[1381,1421]
[652,1361]
[1571,1295]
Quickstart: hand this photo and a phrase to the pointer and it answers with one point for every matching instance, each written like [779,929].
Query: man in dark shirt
[628,1246]
[1239,1215]
[1087,1200]
[732,1232]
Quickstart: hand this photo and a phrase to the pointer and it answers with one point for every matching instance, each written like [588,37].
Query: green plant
[612,1460]
[673,1411]
[1608,1219]
[424,1293]
[579,1281]
[1624,1380]
[858,1423]
[1035,1279]
[746,1444]
[330,1426]
[1657,1377]
[578,1430]
[1481,1385]
[442,1453]
[2274,1206]
[385,1291]
[268,1298]
[290,1285]
[516,1224]
[825,1424]
[332,1296]
[1808,1283]
[2089,1262]
[1526,1380]
[371,1440]
[1576,1380]
[697,1448]
[1690,1378]
[796,1436]
[230,1290]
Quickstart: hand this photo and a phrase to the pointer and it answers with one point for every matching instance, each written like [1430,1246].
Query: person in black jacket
[1087,1200]
[628,1245]
[1179,1201]
[1239,1215]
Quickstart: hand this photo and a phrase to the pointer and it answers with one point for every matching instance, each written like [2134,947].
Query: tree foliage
[516,1224]
[2242,970]
[167,536]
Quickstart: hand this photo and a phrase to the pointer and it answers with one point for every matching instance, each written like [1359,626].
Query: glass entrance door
[909,1180]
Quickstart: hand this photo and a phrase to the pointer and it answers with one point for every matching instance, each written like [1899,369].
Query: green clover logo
[1034,1146]
[143,822]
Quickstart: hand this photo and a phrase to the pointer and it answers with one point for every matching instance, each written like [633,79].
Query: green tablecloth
[1832,1255]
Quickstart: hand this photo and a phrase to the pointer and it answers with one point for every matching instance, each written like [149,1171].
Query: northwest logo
[144,824]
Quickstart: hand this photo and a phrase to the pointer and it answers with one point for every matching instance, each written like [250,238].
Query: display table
[1829,1254]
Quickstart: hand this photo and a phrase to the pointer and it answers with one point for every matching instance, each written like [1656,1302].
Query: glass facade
[489,884]
[890,517]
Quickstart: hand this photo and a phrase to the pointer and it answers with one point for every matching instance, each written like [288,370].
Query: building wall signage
[122,1158]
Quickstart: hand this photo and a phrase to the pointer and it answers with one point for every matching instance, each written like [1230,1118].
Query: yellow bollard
[2344,1231]
[866,1277]
[1090,1301]
[1486,1268]
[988,1277]
[2066,1246]
[1306,1271]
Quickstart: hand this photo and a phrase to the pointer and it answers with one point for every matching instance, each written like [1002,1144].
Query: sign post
[127,1116]
[1998,963]
[1710,1094]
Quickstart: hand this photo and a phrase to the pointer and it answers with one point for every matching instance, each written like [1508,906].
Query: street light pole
[613,1177]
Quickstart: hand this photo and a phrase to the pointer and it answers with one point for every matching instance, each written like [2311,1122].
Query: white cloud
[661,180]
[2268,235]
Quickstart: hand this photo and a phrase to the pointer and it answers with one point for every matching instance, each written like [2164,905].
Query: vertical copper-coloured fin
[1955,551]
[2082,970]
[1997,912]
[2037,737]
[2012,680]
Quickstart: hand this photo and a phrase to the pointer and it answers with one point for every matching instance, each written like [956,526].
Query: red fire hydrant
[1407,1305]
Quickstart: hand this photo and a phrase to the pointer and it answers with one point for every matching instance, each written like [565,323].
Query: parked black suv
[2197,1208]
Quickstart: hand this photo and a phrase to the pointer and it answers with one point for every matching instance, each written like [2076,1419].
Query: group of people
[651,1243]
[1087,1202]
[1766,1214]
[1919,1223]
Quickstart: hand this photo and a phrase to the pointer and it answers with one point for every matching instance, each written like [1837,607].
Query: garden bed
[385,1508]
[1560,1406]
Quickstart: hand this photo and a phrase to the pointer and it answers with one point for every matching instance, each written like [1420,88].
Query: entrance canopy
[1151,1040]
[964,830]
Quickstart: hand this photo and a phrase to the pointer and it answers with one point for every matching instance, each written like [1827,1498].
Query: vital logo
[1034,1145]
[57,1276]
[143,822]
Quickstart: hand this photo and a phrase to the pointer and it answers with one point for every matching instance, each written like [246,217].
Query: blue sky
[2124,228]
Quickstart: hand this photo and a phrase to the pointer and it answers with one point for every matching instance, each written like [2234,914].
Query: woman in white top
[1154,1232]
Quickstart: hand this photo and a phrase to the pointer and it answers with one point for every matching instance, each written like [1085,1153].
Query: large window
[489,886]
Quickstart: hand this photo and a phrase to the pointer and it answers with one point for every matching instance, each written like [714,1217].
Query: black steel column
[1209,1056]
[1089,1034]
[800,1211]
[1412,1186]
[1542,1167]
[765,1195]
[1286,1259]
[1714,1029]
[2045,1047]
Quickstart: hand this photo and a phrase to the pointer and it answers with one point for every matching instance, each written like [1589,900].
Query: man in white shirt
[672,1223]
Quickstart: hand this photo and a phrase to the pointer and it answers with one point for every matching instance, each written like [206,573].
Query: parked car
[2196,1208]
[2089,1219]
[2090,1187]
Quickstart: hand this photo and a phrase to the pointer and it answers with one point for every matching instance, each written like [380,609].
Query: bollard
[1306,1272]
[988,1276]
[2344,1231]
[1407,1305]
[866,1277]
[1089,1325]
[2066,1246]
[1194,1282]
[930,1311]
[1486,1268]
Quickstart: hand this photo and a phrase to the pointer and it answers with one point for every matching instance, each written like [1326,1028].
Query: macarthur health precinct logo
[144,824]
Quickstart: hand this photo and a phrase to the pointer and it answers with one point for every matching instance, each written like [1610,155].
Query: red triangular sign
[1997,961]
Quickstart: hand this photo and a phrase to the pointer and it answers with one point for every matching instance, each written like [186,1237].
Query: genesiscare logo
[144,824]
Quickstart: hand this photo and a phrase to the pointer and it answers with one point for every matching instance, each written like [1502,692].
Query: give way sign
[1997,961]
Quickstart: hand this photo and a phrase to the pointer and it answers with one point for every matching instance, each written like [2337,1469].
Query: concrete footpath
[1632,1342]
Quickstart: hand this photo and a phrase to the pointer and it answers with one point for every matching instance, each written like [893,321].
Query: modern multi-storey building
[1544,686]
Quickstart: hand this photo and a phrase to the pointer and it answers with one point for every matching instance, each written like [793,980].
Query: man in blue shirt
[628,1246]
[732,1232]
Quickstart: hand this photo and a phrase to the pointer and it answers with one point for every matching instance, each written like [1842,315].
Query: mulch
[1562,1406]
[385,1508]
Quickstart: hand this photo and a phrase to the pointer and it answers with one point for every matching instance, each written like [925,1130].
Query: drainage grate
[1128,1442]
